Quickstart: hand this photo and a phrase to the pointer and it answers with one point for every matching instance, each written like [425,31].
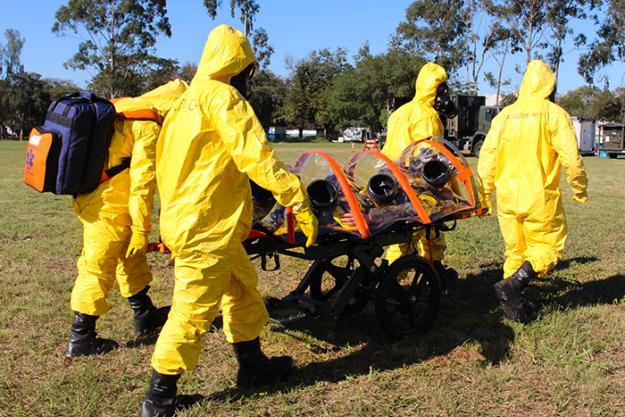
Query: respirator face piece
[552,96]
[443,102]
[243,80]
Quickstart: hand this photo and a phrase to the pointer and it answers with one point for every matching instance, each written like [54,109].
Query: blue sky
[295,28]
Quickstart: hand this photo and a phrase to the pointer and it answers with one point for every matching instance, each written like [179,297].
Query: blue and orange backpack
[68,153]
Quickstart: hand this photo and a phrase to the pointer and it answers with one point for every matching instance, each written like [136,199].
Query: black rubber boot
[149,320]
[257,369]
[83,338]
[448,276]
[160,400]
[510,294]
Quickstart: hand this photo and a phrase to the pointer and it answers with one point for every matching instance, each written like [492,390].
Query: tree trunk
[558,56]
[112,59]
[247,24]
[530,33]
[301,132]
[503,60]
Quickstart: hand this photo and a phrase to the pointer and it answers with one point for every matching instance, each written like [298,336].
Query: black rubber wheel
[408,297]
[328,279]
[477,148]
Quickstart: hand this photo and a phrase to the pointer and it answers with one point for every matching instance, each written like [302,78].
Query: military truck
[611,139]
[468,130]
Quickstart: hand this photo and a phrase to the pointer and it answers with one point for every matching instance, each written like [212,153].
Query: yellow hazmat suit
[121,207]
[211,145]
[521,157]
[413,122]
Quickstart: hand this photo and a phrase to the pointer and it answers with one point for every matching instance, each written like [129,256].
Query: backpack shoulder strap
[141,114]
[107,174]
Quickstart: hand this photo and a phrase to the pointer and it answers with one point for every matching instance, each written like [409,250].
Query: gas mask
[443,102]
[243,80]
[552,96]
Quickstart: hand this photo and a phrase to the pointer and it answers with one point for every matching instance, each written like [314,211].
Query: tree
[478,41]
[508,99]
[26,99]
[145,75]
[434,29]
[558,16]
[525,21]
[4,110]
[117,38]
[578,102]
[268,95]
[248,9]
[11,54]
[359,96]
[58,88]
[607,106]
[263,49]
[503,43]
[187,72]
[609,46]
[306,101]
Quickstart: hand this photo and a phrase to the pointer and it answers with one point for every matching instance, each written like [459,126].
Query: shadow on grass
[580,260]
[469,314]
[568,294]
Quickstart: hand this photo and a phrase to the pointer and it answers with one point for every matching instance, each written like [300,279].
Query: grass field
[569,362]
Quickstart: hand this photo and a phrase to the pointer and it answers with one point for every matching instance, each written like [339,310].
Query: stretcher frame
[365,277]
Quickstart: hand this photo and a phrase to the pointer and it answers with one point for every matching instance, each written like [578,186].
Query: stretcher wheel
[328,278]
[408,297]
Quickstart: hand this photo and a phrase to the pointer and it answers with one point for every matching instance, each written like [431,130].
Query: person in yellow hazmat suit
[212,144]
[415,121]
[520,160]
[116,218]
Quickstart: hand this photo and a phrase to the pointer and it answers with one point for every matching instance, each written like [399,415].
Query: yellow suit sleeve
[143,174]
[487,164]
[564,142]
[245,140]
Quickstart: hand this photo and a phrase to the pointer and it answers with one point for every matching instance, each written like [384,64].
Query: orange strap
[141,114]
[405,185]
[254,234]
[354,208]
[158,247]
[103,177]
[290,226]
[464,173]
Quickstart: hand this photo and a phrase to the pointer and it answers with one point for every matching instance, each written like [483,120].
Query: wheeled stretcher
[362,209]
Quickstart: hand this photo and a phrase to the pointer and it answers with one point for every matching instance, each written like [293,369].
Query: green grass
[569,362]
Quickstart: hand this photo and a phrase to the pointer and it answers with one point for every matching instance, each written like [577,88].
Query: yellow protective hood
[538,80]
[430,77]
[161,99]
[226,53]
